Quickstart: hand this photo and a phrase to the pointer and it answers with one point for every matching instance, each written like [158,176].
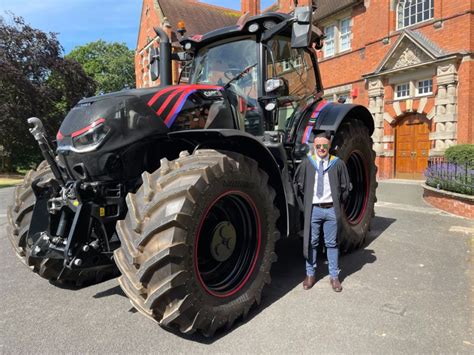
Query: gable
[407,54]
[411,49]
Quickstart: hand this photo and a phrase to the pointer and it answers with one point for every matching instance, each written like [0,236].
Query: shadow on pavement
[288,272]
[353,262]
[117,290]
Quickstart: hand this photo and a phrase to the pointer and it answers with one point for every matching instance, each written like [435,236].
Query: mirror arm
[276,29]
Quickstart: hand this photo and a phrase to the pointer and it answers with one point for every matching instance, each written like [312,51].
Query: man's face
[322,146]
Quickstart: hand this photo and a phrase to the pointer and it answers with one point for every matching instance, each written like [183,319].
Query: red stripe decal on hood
[85,129]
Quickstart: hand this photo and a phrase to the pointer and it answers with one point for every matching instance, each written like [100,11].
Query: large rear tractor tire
[354,145]
[198,241]
[19,216]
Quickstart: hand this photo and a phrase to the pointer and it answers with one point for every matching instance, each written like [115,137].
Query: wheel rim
[227,244]
[356,204]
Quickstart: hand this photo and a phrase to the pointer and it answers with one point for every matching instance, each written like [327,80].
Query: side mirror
[154,60]
[301,31]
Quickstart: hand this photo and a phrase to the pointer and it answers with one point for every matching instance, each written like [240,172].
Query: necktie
[320,188]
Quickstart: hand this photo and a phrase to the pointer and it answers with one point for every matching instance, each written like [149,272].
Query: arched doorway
[412,146]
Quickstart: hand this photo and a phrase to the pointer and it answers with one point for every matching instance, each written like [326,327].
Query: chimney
[286,6]
[250,6]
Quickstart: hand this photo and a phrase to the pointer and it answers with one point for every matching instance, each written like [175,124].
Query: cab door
[298,69]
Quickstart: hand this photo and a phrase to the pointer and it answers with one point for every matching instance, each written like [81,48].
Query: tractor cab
[266,64]
[270,80]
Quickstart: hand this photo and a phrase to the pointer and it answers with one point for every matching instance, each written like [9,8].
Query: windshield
[218,64]
[234,63]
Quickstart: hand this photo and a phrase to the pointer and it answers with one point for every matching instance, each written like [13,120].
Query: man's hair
[323,134]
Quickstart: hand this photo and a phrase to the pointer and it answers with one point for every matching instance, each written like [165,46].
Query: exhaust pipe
[165,57]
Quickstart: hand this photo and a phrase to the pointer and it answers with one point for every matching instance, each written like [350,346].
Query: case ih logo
[211,93]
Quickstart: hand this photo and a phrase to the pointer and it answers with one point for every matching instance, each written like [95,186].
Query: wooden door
[412,147]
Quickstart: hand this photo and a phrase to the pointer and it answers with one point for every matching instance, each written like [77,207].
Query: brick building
[411,62]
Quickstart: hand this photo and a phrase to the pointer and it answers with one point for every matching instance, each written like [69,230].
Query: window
[185,70]
[344,98]
[292,63]
[345,35]
[402,90]
[339,97]
[329,41]
[338,37]
[425,87]
[410,12]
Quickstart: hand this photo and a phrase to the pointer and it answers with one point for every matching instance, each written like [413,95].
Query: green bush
[460,154]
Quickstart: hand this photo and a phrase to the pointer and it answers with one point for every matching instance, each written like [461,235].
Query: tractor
[183,190]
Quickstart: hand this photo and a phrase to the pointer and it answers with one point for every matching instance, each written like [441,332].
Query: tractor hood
[116,120]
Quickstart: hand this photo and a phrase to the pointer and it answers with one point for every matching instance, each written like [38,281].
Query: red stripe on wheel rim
[255,257]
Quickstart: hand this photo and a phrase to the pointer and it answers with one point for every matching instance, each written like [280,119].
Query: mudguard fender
[249,145]
[332,114]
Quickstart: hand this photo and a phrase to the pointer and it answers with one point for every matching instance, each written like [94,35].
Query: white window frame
[295,62]
[335,97]
[397,96]
[413,9]
[335,41]
[348,34]
[328,41]
[430,81]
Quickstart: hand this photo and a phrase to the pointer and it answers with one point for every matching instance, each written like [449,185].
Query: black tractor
[184,190]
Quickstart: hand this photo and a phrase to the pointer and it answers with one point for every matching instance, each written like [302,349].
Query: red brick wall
[148,20]
[376,22]
[466,102]
[445,202]
[385,167]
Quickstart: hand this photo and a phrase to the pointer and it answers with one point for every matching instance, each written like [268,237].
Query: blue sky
[81,21]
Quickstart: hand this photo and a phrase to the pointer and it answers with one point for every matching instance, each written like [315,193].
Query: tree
[35,80]
[110,64]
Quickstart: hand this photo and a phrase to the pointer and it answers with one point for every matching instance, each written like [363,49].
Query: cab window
[296,67]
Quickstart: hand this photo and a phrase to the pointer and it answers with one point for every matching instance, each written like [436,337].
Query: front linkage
[73,221]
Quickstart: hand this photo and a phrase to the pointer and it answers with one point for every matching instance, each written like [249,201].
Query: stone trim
[445,109]
[376,93]
[422,104]
[338,89]
[387,117]
[396,107]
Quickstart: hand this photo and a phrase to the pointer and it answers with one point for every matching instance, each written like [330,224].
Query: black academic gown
[340,187]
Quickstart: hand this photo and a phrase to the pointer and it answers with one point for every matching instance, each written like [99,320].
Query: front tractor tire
[19,219]
[198,241]
[20,214]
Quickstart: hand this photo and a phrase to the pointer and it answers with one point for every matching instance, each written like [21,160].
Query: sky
[78,22]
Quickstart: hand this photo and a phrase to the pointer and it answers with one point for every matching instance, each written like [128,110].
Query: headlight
[273,84]
[254,27]
[90,137]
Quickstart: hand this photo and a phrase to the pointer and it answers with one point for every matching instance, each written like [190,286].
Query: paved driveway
[410,289]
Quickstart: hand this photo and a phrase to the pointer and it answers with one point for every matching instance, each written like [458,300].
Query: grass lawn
[7,182]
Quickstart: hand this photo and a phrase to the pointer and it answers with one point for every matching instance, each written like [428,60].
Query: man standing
[324,181]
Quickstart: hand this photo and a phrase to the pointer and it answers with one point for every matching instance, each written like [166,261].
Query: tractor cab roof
[243,27]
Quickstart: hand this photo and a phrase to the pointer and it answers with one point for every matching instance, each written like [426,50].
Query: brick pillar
[250,6]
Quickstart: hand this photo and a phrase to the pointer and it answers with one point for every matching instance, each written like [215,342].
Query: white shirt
[326,197]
